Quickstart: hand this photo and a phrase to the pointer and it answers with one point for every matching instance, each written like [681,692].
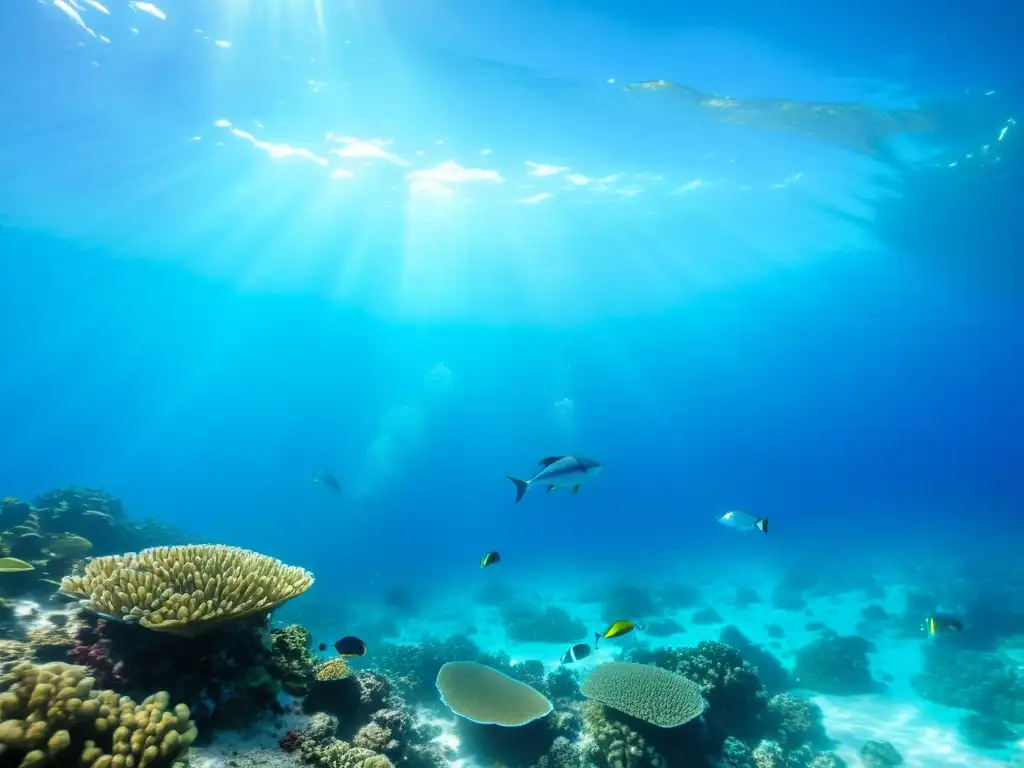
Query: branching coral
[646,692]
[51,713]
[186,590]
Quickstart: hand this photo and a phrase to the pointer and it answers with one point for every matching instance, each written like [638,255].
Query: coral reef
[552,624]
[746,596]
[679,596]
[985,731]
[707,615]
[51,716]
[627,602]
[991,684]
[485,695]
[60,528]
[665,628]
[614,744]
[879,754]
[646,692]
[364,724]
[769,670]
[412,669]
[836,664]
[796,722]
[291,660]
[736,699]
[399,600]
[186,590]
[225,676]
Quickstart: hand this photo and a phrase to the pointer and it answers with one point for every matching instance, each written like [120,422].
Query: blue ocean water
[423,245]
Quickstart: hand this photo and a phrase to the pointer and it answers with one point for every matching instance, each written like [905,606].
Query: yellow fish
[615,629]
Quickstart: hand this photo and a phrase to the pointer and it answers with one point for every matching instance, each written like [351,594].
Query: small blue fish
[559,472]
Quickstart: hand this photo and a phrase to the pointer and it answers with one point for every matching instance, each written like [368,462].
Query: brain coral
[52,716]
[485,695]
[186,590]
[648,693]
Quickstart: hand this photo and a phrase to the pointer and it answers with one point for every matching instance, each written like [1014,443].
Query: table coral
[485,695]
[186,590]
[51,713]
[647,692]
[736,701]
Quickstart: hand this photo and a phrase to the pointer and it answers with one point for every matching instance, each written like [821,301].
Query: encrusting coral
[186,590]
[646,692]
[329,671]
[52,716]
[292,663]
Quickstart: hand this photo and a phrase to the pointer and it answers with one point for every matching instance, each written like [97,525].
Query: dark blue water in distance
[424,245]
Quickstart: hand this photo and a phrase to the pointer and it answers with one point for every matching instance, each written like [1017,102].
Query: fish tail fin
[597,638]
[762,525]
[521,486]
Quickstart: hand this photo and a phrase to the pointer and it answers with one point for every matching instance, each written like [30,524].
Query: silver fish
[559,472]
[744,521]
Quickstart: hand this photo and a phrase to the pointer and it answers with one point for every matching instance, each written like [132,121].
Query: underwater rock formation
[986,732]
[836,664]
[707,615]
[879,754]
[528,624]
[52,716]
[991,684]
[626,601]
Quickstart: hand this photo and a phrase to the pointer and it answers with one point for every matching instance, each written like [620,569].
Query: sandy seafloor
[925,733]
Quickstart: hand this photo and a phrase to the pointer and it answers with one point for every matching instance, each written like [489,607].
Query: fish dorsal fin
[550,460]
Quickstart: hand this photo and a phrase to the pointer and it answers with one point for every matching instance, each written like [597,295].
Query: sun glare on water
[317,149]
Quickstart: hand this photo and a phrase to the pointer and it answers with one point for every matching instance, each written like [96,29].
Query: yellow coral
[48,712]
[186,590]
[335,669]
